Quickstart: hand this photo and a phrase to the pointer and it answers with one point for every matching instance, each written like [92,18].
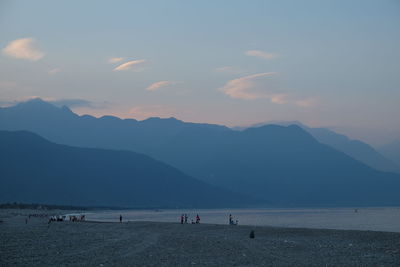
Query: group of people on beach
[231,221]
[72,218]
[184,219]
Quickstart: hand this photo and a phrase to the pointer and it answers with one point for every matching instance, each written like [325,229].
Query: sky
[325,63]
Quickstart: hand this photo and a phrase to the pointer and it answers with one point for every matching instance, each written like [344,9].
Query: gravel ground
[38,243]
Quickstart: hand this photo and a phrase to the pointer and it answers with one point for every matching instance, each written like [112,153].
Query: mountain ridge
[354,148]
[34,170]
[284,165]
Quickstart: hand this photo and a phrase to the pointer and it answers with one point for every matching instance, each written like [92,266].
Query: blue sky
[325,63]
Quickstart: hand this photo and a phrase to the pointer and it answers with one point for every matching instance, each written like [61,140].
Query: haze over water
[375,218]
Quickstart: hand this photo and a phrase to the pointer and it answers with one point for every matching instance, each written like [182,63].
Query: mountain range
[356,149]
[34,170]
[282,165]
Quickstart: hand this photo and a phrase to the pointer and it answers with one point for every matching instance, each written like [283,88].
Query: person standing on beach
[230,219]
[197,218]
[120,218]
[182,218]
[186,217]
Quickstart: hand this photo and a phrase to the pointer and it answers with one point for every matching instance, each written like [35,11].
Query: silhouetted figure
[230,219]
[120,218]
[252,234]
[186,218]
[182,218]
[197,218]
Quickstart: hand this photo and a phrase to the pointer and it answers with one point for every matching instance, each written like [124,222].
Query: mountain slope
[392,151]
[284,165]
[354,148]
[35,170]
[290,167]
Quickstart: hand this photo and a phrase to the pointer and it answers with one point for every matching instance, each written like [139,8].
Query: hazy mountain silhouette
[354,148]
[285,165]
[392,151]
[34,170]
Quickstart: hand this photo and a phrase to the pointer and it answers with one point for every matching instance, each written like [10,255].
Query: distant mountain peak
[34,101]
[162,119]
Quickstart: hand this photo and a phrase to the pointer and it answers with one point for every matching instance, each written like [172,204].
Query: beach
[37,243]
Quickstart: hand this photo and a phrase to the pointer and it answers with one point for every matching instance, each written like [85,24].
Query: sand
[171,244]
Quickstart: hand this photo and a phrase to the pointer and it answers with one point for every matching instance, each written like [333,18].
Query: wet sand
[171,244]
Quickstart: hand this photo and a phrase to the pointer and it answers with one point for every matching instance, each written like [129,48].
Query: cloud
[8,85]
[306,103]
[78,103]
[54,71]
[71,103]
[129,65]
[262,86]
[260,54]
[243,88]
[6,103]
[115,59]
[279,98]
[158,85]
[229,69]
[23,48]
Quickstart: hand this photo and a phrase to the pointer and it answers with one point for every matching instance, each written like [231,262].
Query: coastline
[37,243]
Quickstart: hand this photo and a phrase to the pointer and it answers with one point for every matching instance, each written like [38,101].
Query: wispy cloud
[130,65]
[23,48]
[72,103]
[246,87]
[260,86]
[306,103]
[229,69]
[8,85]
[261,54]
[54,71]
[158,85]
[115,59]
[78,103]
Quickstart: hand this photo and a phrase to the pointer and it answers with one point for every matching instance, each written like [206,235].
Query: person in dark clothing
[182,216]
[186,218]
[197,218]
[120,218]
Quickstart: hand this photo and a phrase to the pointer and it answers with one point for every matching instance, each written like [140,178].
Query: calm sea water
[376,219]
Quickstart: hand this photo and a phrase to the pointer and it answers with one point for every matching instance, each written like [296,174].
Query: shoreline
[368,219]
[91,243]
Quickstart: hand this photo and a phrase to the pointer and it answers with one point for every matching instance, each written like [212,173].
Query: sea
[371,218]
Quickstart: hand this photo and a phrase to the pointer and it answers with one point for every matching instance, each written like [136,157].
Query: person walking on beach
[230,219]
[186,217]
[182,216]
[197,218]
[120,218]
